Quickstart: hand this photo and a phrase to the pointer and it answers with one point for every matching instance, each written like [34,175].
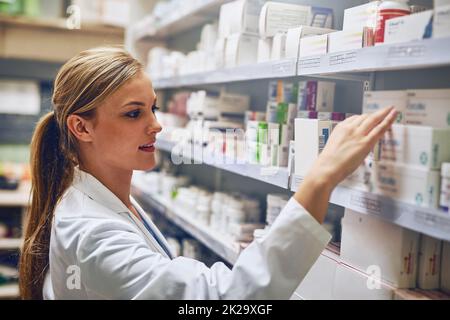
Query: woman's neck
[118,181]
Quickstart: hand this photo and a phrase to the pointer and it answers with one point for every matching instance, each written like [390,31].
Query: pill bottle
[445,187]
[388,10]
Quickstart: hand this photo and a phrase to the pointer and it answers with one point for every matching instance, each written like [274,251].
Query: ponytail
[51,173]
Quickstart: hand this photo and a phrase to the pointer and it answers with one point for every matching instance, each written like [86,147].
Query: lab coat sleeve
[117,263]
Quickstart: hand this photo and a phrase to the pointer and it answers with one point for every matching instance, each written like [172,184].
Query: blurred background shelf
[19,197]
[221,245]
[276,176]
[266,70]
[10,244]
[200,13]
[9,291]
[20,36]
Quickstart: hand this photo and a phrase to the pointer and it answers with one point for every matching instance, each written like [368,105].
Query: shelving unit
[272,175]
[220,244]
[16,198]
[9,291]
[21,36]
[347,65]
[417,65]
[10,244]
[429,221]
[201,13]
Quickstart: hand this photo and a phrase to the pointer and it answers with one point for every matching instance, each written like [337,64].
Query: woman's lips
[147,147]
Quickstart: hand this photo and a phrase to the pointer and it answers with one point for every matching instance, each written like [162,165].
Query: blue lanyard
[162,244]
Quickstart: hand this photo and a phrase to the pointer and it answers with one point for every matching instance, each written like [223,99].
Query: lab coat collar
[97,191]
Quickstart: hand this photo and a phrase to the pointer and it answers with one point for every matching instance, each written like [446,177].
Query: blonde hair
[80,86]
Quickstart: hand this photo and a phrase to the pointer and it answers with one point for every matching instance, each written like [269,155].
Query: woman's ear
[81,128]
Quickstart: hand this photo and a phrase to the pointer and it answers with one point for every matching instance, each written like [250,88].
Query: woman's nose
[154,126]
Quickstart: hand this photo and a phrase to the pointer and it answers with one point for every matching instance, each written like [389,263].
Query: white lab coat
[100,250]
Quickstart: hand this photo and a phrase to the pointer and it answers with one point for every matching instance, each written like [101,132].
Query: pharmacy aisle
[250,92]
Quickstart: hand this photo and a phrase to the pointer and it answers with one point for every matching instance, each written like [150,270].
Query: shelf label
[343,58]
[406,51]
[364,202]
[432,220]
[283,68]
[310,63]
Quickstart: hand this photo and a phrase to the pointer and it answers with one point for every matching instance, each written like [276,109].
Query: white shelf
[432,222]
[204,12]
[9,291]
[220,244]
[10,244]
[349,65]
[427,53]
[271,175]
[16,198]
[266,70]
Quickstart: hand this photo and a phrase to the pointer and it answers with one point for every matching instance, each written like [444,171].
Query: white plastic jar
[388,10]
[445,187]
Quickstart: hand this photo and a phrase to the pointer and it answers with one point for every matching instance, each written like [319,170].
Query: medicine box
[429,263]
[438,3]
[445,267]
[241,16]
[356,18]
[295,34]
[420,146]
[316,96]
[369,242]
[351,284]
[428,107]
[409,184]
[441,21]
[377,100]
[311,135]
[409,28]
[313,46]
[279,17]
[264,49]
[361,178]
[240,49]
[278,46]
[318,282]
[345,40]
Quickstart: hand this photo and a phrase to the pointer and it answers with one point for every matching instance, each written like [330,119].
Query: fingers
[372,121]
[383,126]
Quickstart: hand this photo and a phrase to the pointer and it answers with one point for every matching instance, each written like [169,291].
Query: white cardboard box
[429,108]
[408,28]
[429,263]
[264,49]
[240,50]
[420,146]
[441,22]
[368,241]
[241,16]
[377,100]
[318,282]
[279,17]
[278,47]
[356,18]
[407,184]
[295,34]
[311,135]
[445,267]
[313,46]
[350,284]
[350,39]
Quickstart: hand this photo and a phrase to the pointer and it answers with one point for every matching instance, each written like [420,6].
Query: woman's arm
[348,146]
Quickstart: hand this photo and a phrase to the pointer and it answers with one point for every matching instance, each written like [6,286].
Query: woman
[86,238]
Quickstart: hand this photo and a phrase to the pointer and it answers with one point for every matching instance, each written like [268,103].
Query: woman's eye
[154,108]
[133,114]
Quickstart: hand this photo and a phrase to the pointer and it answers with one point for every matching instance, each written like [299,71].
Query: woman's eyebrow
[134,103]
